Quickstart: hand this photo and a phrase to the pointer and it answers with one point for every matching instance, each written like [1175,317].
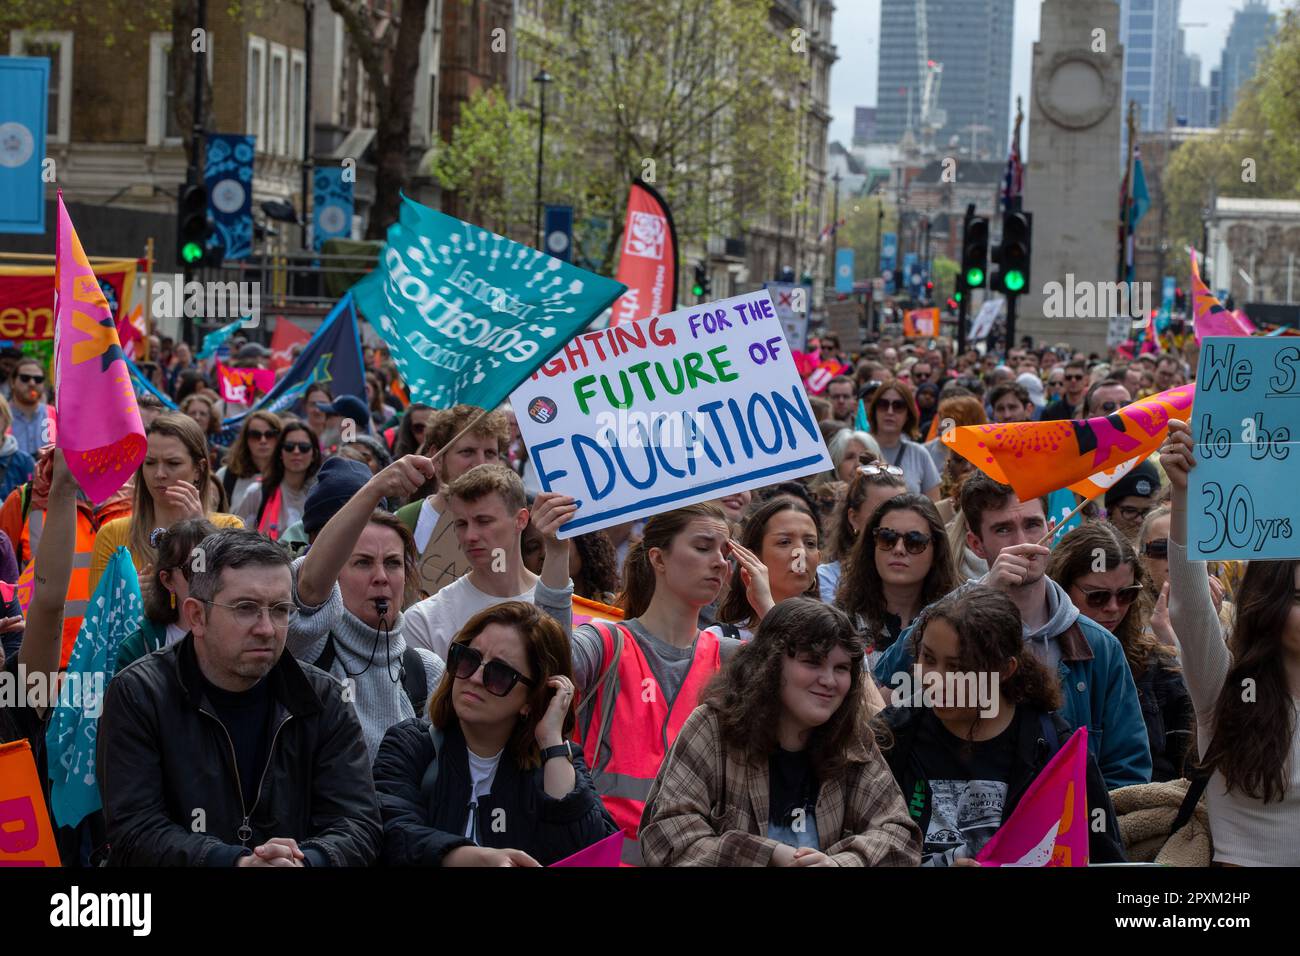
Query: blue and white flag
[116,610]
[24,81]
[228,175]
[331,205]
[217,338]
[467,314]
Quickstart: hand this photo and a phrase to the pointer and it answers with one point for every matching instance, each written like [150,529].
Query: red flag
[286,335]
[648,263]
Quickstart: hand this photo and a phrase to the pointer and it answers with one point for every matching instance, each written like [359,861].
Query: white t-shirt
[174,633]
[424,525]
[433,622]
[482,771]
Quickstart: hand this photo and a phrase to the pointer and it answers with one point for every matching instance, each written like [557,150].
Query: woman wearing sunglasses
[893,419]
[778,767]
[1119,599]
[167,491]
[250,455]
[492,778]
[1248,740]
[276,502]
[900,563]
[1153,545]
[872,486]
[411,430]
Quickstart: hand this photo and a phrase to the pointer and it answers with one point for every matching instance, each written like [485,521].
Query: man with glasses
[1097,687]
[1106,398]
[1069,405]
[843,398]
[1132,498]
[31,414]
[221,750]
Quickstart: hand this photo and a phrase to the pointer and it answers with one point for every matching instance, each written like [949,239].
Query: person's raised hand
[754,576]
[1177,456]
[403,477]
[1217,592]
[550,729]
[184,498]
[550,512]
[1160,624]
[1011,567]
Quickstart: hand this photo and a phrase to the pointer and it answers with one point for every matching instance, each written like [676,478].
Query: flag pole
[148,294]
[1057,526]
[1126,197]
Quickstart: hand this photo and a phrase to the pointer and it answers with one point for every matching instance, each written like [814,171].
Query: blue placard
[1167,292]
[557,230]
[1245,416]
[24,86]
[844,270]
[888,259]
[331,205]
[228,174]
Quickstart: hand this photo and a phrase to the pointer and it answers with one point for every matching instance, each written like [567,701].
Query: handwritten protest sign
[684,407]
[1240,500]
[26,837]
[442,561]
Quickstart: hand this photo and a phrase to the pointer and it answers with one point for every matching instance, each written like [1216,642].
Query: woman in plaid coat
[777,767]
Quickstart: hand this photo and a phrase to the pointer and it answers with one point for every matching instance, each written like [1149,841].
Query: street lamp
[542,78]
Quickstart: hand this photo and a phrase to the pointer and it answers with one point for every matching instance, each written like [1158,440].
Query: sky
[855,31]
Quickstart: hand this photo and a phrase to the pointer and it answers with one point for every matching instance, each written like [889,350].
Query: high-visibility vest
[78,596]
[643,727]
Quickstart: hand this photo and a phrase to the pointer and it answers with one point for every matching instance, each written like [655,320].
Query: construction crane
[930,73]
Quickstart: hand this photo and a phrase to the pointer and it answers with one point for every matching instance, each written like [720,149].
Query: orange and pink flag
[1086,456]
[100,430]
[1209,317]
[1049,826]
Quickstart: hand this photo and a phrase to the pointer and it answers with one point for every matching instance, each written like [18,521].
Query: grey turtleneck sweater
[377,692]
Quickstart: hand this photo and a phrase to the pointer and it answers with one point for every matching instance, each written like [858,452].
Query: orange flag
[26,837]
[1087,457]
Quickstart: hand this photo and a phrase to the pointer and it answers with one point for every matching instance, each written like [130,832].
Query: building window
[275,100]
[297,98]
[255,101]
[55,46]
[163,129]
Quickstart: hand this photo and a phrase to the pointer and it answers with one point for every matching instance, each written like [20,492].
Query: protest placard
[791,301]
[920,323]
[442,561]
[684,407]
[1239,500]
[26,837]
[982,324]
[844,321]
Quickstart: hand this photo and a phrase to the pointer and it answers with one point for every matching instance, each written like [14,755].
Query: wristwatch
[564,750]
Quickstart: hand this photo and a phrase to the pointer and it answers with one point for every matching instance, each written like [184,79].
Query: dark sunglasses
[914,542]
[891,405]
[254,435]
[1156,548]
[31,379]
[1108,407]
[498,677]
[418,428]
[297,446]
[1074,378]
[1100,597]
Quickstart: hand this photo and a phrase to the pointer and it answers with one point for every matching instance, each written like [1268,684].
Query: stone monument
[1072,178]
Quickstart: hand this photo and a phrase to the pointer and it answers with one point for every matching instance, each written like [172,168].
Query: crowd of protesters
[331,689]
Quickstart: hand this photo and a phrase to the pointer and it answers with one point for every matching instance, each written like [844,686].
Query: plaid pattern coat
[706,808]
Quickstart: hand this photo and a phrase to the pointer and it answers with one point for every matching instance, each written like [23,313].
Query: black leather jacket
[170,786]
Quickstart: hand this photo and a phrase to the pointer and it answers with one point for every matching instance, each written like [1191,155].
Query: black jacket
[1169,717]
[167,772]
[1032,755]
[420,828]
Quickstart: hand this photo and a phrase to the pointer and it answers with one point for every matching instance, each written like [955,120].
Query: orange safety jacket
[639,725]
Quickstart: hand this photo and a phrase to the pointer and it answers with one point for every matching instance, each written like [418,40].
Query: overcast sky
[856,32]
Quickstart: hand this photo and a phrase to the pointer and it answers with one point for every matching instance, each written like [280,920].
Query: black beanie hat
[1143,481]
[336,482]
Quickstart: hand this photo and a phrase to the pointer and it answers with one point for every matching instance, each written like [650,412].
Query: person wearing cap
[342,409]
[251,355]
[1132,498]
[1034,386]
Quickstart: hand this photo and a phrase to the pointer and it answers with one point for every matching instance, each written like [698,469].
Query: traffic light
[975,252]
[1013,254]
[703,283]
[193,231]
[929,291]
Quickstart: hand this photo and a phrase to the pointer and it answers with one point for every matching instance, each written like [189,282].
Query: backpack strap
[602,689]
[1194,791]
[326,659]
[229,483]
[430,777]
[1049,731]
[414,679]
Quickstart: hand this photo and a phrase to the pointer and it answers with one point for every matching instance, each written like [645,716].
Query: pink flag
[100,430]
[1049,826]
[1209,315]
[605,853]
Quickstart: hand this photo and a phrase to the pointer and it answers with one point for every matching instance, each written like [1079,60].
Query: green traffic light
[191,252]
[956,296]
[697,291]
[1014,280]
[975,277]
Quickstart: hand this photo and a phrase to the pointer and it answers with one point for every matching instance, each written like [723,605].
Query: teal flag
[860,422]
[116,610]
[217,338]
[467,314]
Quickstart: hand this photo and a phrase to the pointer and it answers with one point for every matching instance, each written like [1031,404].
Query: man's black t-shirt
[961,789]
[247,717]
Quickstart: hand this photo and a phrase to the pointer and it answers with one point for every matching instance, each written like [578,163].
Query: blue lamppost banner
[844,271]
[889,260]
[24,86]
[558,230]
[228,174]
[467,314]
[331,205]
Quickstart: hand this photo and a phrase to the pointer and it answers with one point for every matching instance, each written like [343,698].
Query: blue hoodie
[1097,687]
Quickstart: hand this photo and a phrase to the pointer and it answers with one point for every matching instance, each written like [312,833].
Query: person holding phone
[491,778]
[167,487]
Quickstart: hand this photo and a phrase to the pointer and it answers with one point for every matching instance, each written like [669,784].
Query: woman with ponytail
[639,679]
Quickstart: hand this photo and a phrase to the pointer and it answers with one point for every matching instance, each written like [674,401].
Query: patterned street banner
[26,837]
[24,81]
[116,610]
[27,297]
[468,314]
[331,206]
[229,178]
[100,429]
